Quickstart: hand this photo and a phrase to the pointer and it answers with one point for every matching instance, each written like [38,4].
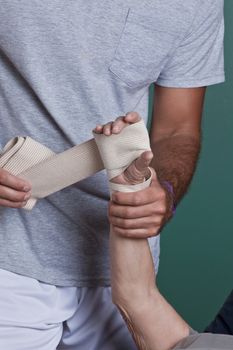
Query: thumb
[142,163]
[139,169]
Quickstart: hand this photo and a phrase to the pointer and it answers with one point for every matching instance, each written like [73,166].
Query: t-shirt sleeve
[198,59]
[204,341]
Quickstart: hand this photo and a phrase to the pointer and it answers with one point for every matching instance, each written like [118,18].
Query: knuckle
[162,208]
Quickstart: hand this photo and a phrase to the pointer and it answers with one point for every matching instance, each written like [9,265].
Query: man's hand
[138,214]
[14,192]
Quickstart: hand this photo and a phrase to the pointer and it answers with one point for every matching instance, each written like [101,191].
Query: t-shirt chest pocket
[143,49]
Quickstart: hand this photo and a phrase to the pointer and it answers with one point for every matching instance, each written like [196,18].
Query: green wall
[196,269]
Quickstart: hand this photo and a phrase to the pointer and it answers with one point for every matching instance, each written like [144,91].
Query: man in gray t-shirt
[65,67]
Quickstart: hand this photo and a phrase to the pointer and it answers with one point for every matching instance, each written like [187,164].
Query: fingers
[132,117]
[110,128]
[149,195]
[128,212]
[143,217]
[115,127]
[149,225]
[7,179]
[14,192]
[118,125]
[9,204]
[98,129]
[107,129]
[144,222]
[139,169]
[137,233]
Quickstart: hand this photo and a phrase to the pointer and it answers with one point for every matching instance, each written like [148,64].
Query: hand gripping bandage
[49,172]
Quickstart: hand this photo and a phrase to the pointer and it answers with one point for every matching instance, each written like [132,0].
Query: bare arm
[175,141]
[153,323]
[176,136]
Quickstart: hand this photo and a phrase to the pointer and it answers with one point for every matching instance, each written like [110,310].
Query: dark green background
[196,269]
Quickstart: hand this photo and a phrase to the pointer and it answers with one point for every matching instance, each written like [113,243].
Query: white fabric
[40,316]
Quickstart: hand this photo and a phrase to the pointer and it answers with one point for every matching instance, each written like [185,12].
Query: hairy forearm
[175,160]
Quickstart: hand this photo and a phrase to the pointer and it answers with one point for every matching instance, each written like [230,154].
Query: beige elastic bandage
[49,172]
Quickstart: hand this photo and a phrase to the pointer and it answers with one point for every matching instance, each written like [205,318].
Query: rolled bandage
[118,151]
[49,172]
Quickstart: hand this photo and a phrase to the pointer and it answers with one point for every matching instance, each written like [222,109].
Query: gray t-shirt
[66,66]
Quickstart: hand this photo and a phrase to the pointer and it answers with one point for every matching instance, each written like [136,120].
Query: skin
[153,323]
[14,192]
[176,135]
[175,140]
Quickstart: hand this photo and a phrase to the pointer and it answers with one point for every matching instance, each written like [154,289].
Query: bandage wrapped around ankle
[49,172]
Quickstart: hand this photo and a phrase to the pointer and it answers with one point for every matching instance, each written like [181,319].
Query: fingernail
[26,188]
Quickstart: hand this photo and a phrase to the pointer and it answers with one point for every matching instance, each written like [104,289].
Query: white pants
[39,316]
